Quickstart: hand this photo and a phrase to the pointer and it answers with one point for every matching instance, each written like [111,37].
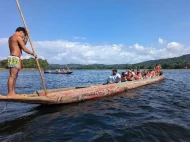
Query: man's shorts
[14,62]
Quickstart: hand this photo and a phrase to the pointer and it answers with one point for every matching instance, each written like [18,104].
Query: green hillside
[170,63]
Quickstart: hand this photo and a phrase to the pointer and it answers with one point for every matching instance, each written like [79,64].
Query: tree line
[170,63]
[165,65]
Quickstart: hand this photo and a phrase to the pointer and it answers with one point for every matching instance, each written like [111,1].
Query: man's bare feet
[11,95]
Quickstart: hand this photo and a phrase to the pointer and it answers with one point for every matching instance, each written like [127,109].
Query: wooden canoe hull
[64,96]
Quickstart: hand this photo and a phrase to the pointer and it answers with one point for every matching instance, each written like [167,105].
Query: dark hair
[123,73]
[21,29]
[115,70]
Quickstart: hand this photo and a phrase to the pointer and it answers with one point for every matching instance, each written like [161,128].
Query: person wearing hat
[114,78]
[123,77]
[130,75]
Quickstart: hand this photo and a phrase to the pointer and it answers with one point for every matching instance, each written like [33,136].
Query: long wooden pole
[43,82]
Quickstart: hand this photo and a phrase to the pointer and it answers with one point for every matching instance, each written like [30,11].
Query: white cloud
[78,38]
[137,47]
[3,41]
[64,52]
[175,47]
[161,41]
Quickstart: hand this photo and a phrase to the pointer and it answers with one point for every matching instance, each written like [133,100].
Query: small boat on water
[58,71]
[77,94]
[68,72]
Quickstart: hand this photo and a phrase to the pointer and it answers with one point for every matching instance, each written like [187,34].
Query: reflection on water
[158,112]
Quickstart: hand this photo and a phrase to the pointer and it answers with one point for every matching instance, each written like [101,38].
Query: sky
[104,32]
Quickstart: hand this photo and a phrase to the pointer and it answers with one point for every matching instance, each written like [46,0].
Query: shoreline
[3,69]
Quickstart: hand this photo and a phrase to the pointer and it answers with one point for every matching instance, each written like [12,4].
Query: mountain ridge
[168,63]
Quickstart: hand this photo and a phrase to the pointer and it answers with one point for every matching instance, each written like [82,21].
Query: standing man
[17,44]
[158,69]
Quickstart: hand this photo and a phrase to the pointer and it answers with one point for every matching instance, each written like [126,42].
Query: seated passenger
[127,71]
[138,75]
[123,77]
[133,72]
[148,75]
[130,76]
[143,74]
[114,78]
[152,72]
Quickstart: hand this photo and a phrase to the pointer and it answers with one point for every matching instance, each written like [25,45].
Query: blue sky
[103,23]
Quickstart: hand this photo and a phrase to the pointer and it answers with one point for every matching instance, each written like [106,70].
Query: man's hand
[35,55]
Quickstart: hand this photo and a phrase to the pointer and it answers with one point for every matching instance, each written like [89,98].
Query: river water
[158,112]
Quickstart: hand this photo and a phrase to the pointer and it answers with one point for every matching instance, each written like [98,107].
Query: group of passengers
[131,75]
[62,71]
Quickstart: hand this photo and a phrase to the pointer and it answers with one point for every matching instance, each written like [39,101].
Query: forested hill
[28,63]
[90,66]
[170,63]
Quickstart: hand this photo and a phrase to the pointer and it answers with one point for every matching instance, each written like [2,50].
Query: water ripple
[159,112]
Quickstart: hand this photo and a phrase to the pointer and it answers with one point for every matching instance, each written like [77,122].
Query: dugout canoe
[46,72]
[74,94]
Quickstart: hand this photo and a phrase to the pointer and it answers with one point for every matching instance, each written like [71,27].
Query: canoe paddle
[43,82]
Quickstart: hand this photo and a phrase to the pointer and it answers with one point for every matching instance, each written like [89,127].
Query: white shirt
[114,78]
